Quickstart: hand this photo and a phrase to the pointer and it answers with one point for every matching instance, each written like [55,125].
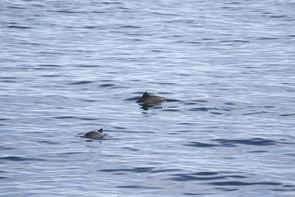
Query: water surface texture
[226,67]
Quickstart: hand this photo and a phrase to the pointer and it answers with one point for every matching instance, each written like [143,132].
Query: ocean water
[226,68]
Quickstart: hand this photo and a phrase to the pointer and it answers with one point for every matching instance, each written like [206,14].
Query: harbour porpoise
[94,134]
[146,98]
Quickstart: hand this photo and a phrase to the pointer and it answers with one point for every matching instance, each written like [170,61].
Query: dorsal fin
[145,95]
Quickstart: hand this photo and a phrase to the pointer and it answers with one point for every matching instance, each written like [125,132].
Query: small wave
[202,109]
[229,103]
[90,27]
[89,100]
[130,27]
[233,143]
[73,117]
[18,27]
[65,117]
[97,12]
[8,78]
[198,178]
[253,141]
[162,83]
[132,98]
[47,142]
[206,173]
[50,65]
[163,14]
[81,82]
[16,158]
[171,110]
[234,41]
[172,100]
[196,194]
[285,188]
[253,113]
[131,149]
[68,11]
[216,113]
[16,7]
[203,176]
[287,115]
[194,42]
[136,170]
[4,119]
[50,76]
[111,3]
[278,16]
[257,151]
[269,106]
[51,53]
[240,183]
[267,38]
[138,187]
[106,85]
[5,148]
[165,170]
[200,144]
[89,66]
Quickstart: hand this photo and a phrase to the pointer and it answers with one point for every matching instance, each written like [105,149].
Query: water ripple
[239,183]
[137,187]
[6,148]
[106,85]
[81,82]
[17,158]
[203,109]
[135,170]
[235,143]
[200,144]
[184,177]
[73,66]
[252,142]
[74,117]
[287,114]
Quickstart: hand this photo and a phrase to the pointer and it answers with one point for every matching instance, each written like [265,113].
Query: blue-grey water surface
[226,67]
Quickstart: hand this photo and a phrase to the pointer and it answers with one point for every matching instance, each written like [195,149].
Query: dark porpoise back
[94,134]
[146,98]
